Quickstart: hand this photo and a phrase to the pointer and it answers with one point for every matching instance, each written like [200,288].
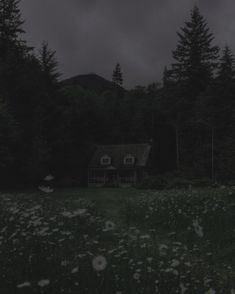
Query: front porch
[100,177]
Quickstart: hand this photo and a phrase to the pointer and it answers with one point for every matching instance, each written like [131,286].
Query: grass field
[121,241]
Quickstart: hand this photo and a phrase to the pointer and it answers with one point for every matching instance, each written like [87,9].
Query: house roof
[118,152]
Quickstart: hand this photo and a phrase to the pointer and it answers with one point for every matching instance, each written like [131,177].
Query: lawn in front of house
[118,241]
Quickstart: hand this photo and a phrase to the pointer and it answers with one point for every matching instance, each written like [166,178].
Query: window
[105,160]
[129,159]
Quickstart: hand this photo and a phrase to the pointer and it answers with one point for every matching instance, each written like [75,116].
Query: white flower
[49,178]
[175,263]
[80,211]
[149,269]
[45,189]
[99,263]
[67,214]
[163,249]
[43,283]
[144,237]
[64,263]
[183,289]
[211,291]
[74,270]
[136,276]
[25,284]
[109,226]
[198,229]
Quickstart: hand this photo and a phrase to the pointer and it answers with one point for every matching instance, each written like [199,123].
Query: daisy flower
[99,263]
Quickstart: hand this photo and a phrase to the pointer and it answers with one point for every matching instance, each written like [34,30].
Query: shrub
[172,181]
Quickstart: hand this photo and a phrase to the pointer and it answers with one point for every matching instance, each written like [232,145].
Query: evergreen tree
[9,139]
[195,56]
[13,50]
[226,71]
[224,90]
[117,76]
[10,25]
[215,112]
[48,64]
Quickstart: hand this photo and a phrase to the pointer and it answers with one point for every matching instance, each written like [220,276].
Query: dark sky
[92,35]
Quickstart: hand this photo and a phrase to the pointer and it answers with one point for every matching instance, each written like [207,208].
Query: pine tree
[48,63]
[226,71]
[10,23]
[195,56]
[11,31]
[216,112]
[117,76]
[9,139]
[166,77]
[13,50]
[224,89]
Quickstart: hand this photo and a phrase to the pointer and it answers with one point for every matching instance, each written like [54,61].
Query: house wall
[114,178]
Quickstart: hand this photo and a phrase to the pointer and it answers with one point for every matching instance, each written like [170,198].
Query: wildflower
[163,249]
[136,276]
[198,229]
[187,263]
[109,226]
[45,189]
[25,284]
[175,263]
[74,270]
[183,289]
[149,269]
[43,283]
[80,211]
[64,263]
[211,291]
[99,263]
[49,178]
[145,237]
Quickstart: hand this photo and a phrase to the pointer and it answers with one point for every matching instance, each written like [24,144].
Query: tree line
[47,126]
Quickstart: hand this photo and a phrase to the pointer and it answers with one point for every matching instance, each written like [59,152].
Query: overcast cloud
[92,35]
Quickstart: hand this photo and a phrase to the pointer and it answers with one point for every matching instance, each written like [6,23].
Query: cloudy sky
[93,35]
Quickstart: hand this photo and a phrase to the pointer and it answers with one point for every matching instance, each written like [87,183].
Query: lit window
[129,160]
[105,160]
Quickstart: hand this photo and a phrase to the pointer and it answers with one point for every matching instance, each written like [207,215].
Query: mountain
[91,82]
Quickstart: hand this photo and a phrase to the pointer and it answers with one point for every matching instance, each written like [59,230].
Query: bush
[67,183]
[173,180]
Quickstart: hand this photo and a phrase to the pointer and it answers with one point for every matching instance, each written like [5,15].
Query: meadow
[118,241]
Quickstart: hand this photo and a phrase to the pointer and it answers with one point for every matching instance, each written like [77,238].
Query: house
[118,165]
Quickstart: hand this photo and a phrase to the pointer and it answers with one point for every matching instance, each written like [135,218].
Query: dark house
[119,165]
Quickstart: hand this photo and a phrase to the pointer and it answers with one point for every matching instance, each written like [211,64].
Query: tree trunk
[177,147]
[212,154]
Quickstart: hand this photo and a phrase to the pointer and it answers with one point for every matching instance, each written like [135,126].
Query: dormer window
[129,160]
[105,160]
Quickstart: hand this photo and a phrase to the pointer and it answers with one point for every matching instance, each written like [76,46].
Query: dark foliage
[52,126]
[117,76]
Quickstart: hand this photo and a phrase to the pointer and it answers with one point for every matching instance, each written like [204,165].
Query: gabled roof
[118,152]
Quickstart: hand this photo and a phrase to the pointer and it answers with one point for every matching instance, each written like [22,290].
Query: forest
[50,125]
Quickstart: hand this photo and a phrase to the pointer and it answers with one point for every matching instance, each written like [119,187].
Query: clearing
[121,241]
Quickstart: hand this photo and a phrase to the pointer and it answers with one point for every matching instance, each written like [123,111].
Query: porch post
[135,177]
[104,178]
[118,178]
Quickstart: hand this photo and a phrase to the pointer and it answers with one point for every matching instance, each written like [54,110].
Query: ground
[120,241]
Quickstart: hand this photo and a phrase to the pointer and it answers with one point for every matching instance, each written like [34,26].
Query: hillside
[92,82]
